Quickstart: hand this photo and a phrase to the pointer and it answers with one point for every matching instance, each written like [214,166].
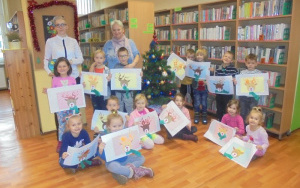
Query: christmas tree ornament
[159,68]
[148,82]
[164,74]
[162,82]
[162,56]
[144,68]
[149,96]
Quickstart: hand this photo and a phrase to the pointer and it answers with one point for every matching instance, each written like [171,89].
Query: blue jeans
[98,102]
[246,104]
[200,98]
[121,168]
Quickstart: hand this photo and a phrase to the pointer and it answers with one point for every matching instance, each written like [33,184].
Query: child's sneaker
[141,171]
[204,118]
[190,137]
[193,129]
[96,162]
[58,146]
[196,117]
[121,179]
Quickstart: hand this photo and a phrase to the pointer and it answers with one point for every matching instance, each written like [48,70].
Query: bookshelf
[252,25]
[94,28]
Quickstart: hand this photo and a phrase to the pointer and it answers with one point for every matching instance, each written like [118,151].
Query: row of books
[264,32]
[99,20]
[185,17]
[274,78]
[268,117]
[92,36]
[162,34]
[211,104]
[265,8]
[185,34]
[267,100]
[181,50]
[85,50]
[264,55]
[117,14]
[165,48]
[82,24]
[162,20]
[217,52]
[215,33]
[216,14]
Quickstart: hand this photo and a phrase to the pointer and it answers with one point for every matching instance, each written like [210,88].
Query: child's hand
[44,90]
[164,106]
[101,147]
[259,147]
[234,81]
[238,136]
[83,84]
[65,155]
[51,74]
[141,74]
[108,77]
[212,69]
[237,129]
[96,130]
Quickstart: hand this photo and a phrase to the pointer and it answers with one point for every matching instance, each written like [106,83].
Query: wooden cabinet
[237,25]
[22,91]
[94,28]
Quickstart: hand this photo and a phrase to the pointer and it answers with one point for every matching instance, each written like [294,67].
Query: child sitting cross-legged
[126,167]
[140,103]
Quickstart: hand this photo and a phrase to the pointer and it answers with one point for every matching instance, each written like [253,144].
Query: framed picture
[173,118]
[126,78]
[66,98]
[199,70]
[148,123]
[219,133]
[49,27]
[239,151]
[119,144]
[220,85]
[95,83]
[76,155]
[100,118]
[177,65]
[256,83]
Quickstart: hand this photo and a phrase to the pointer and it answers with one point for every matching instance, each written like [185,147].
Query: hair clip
[114,112]
[257,108]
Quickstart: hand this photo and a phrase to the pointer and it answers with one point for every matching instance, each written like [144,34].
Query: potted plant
[14,40]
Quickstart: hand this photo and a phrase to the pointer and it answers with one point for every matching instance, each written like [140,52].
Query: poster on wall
[49,27]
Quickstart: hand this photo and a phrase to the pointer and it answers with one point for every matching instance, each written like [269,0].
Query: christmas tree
[158,81]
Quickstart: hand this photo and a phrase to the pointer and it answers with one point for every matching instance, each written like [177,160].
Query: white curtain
[3,40]
[85,6]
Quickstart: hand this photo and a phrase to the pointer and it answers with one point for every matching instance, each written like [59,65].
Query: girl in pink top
[233,118]
[62,72]
[140,103]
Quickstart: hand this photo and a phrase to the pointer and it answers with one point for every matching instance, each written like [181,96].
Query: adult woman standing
[63,46]
[119,40]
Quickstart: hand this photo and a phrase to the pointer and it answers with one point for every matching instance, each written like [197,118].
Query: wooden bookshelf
[99,22]
[286,91]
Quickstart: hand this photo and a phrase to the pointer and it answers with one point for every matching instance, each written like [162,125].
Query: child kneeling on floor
[126,167]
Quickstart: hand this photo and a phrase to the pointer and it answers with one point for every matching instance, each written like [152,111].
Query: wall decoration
[95,83]
[219,133]
[49,27]
[197,70]
[220,85]
[252,84]
[126,79]
[66,98]
[78,155]
[121,143]
[177,65]
[173,118]
[239,151]
[100,117]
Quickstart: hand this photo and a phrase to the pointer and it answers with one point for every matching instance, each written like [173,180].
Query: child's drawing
[148,123]
[219,133]
[100,118]
[126,79]
[177,65]
[77,155]
[66,98]
[250,84]
[95,83]
[197,70]
[239,151]
[220,84]
[173,118]
[121,143]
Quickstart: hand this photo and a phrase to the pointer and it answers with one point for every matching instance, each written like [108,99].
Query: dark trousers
[183,90]
[180,133]
[98,102]
[246,104]
[222,101]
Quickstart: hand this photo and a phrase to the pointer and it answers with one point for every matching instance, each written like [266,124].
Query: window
[85,6]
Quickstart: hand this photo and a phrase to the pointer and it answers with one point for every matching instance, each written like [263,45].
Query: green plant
[13,36]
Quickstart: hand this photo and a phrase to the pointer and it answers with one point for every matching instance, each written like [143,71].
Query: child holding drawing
[200,91]
[233,118]
[98,67]
[187,133]
[126,167]
[140,103]
[256,134]
[75,137]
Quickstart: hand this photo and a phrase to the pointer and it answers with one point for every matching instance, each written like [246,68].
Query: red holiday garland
[33,5]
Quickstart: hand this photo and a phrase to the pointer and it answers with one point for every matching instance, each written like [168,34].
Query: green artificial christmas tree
[158,81]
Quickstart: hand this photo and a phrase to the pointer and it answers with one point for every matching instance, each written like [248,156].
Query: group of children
[131,166]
